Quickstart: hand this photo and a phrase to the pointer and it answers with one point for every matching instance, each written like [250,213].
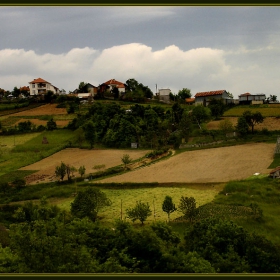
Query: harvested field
[37,122]
[271,123]
[208,165]
[78,157]
[48,109]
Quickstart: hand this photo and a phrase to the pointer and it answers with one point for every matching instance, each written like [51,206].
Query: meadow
[267,110]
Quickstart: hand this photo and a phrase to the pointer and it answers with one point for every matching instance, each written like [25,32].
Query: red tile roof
[116,83]
[274,170]
[245,94]
[189,100]
[39,80]
[24,88]
[210,93]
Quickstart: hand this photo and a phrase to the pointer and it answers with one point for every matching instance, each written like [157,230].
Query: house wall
[204,100]
[164,94]
[36,88]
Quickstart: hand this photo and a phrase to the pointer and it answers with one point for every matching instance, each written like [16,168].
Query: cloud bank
[199,69]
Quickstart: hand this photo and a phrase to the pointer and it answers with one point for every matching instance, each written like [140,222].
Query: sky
[202,48]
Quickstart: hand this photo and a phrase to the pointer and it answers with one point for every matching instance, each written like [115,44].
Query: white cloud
[200,69]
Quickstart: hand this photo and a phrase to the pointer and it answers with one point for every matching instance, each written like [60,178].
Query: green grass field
[123,199]
[17,151]
[266,110]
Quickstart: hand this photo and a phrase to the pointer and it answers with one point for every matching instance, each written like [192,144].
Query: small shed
[275,173]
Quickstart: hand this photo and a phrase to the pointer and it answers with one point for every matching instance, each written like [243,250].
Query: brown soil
[208,165]
[78,157]
[38,122]
[48,109]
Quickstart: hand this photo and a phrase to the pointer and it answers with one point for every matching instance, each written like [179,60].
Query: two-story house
[40,87]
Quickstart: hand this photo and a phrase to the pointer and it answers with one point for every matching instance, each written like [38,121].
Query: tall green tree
[200,114]
[242,127]
[90,132]
[184,93]
[88,203]
[60,171]
[217,107]
[187,206]
[168,206]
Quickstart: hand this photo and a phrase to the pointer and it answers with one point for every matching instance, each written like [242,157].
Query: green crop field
[123,199]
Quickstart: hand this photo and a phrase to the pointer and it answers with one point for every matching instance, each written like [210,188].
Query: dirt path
[209,165]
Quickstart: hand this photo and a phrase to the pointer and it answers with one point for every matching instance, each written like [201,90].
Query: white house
[248,98]
[163,94]
[203,98]
[40,86]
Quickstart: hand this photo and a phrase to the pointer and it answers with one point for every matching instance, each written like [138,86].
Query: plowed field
[208,165]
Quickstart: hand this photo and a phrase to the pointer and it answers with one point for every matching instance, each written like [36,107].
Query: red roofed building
[40,86]
[203,98]
[113,83]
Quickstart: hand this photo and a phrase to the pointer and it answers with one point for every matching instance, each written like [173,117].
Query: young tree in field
[253,118]
[187,206]
[60,171]
[82,170]
[168,206]
[88,203]
[90,132]
[226,126]
[126,159]
[140,212]
[51,124]
[242,126]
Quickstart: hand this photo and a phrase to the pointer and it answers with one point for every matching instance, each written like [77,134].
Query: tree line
[46,239]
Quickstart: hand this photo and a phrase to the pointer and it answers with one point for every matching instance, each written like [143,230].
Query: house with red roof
[203,98]
[40,86]
[114,83]
[248,98]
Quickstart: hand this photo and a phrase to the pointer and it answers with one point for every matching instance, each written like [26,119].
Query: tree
[16,92]
[126,159]
[49,96]
[88,203]
[242,126]
[226,126]
[253,118]
[217,107]
[82,87]
[188,207]
[168,206]
[200,114]
[140,212]
[51,124]
[82,170]
[184,93]
[90,132]
[60,171]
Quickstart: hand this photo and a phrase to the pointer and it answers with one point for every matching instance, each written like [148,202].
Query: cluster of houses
[40,86]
